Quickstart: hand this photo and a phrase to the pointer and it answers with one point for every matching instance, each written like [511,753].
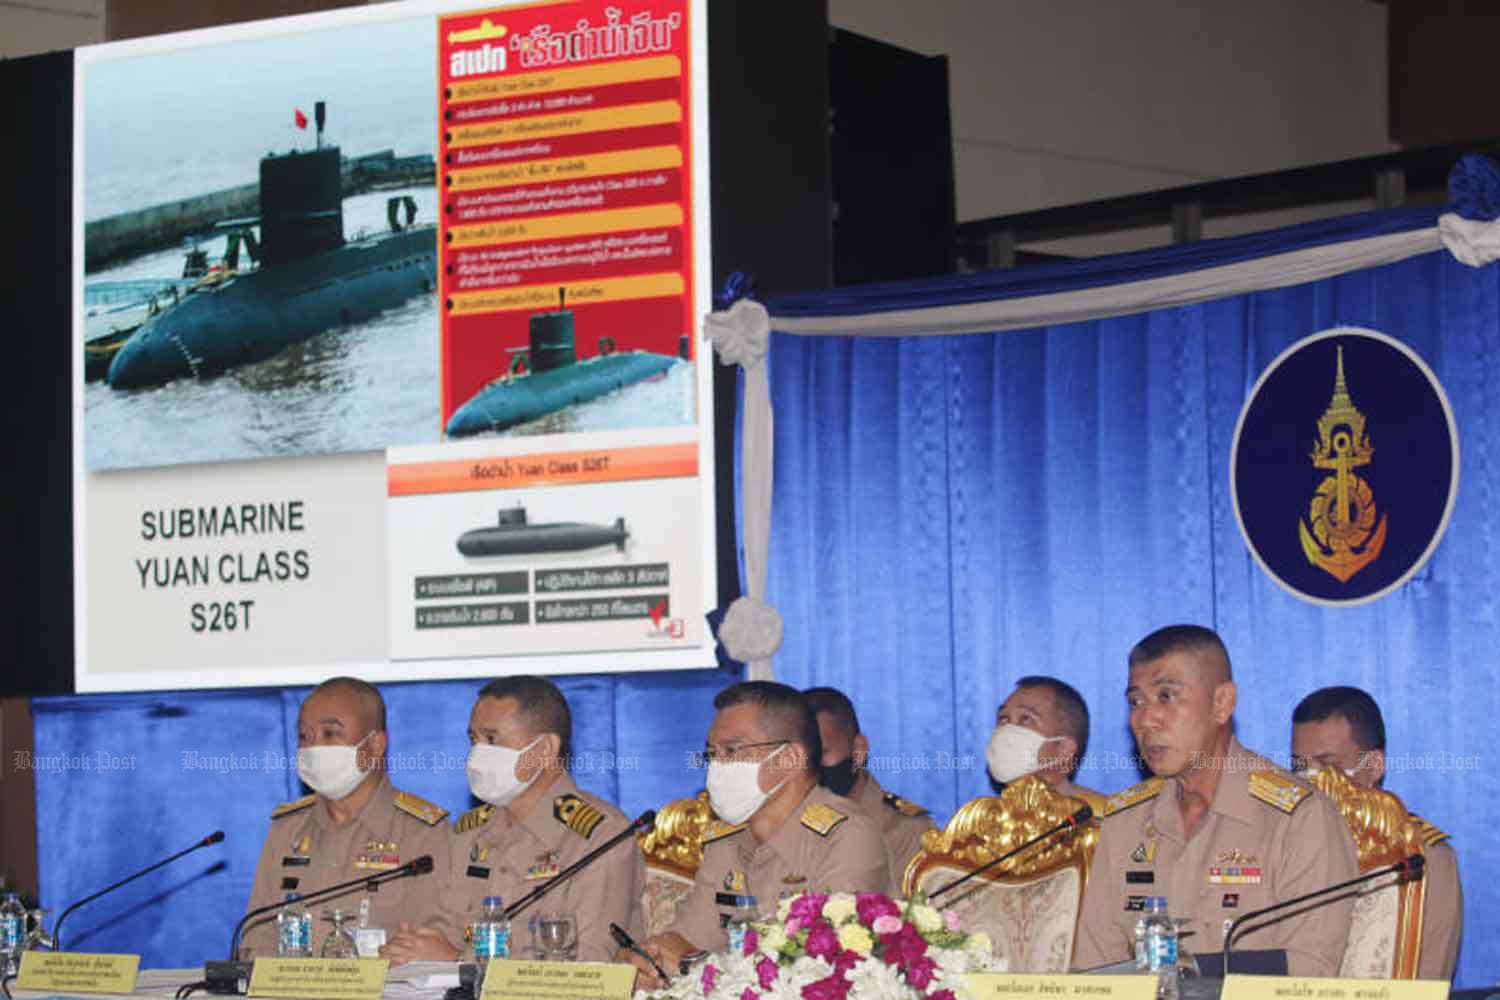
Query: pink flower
[903,947]
[834,987]
[822,941]
[942,995]
[886,924]
[710,973]
[919,972]
[767,970]
[749,994]
[806,909]
[872,905]
[950,920]
[845,961]
[752,941]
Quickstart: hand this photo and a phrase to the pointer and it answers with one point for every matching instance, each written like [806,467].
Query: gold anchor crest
[1345,537]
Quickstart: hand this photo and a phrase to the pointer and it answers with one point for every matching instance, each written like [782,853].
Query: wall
[1075,100]
[30,28]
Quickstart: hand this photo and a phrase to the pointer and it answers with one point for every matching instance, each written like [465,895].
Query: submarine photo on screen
[259,251]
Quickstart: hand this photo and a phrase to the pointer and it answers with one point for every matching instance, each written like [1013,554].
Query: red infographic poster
[564,172]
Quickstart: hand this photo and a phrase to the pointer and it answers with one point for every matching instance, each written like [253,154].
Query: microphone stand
[1079,818]
[642,822]
[212,838]
[1411,864]
[226,976]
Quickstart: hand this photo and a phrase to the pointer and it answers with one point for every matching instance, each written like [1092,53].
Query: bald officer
[1219,831]
[534,823]
[782,834]
[846,751]
[355,823]
[1342,727]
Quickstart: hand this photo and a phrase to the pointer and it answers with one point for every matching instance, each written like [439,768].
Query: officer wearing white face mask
[535,822]
[1042,729]
[354,823]
[781,833]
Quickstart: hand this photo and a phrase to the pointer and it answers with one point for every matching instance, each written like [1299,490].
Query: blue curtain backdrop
[950,514]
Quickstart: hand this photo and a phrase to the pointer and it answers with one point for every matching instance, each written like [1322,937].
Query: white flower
[926,919]
[771,939]
[839,908]
[751,629]
[741,334]
[877,979]
[980,945]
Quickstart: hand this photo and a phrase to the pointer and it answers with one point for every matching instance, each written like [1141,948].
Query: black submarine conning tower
[301,202]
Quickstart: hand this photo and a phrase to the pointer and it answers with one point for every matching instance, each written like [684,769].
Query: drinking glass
[340,940]
[556,937]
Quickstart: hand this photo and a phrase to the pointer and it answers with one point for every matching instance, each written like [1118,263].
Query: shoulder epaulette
[1278,789]
[718,830]
[576,814]
[415,805]
[821,818]
[475,818]
[902,806]
[1132,796]
[1431,835]
[287,808]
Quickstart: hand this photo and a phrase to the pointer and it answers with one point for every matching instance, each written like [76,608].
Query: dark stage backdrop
[951,513]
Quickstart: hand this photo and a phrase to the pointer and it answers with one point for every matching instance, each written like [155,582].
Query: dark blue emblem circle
[1344,467]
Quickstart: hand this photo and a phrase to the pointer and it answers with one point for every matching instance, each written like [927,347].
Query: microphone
[226,976]
[627,942]
[1074,821]
[1410,865]
[211,839]
[644,822]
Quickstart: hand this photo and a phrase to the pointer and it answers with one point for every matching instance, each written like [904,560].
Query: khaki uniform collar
[380,804]
[873,796]
[783,843]
[540,822]
[1231,797]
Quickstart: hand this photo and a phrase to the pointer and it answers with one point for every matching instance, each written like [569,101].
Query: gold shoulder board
[419,807]
[576,814]
[718,830]
[1277,789]
[1132,796]
[902,806]
[1431,835]
[475,818]
[287,808]
[821,819]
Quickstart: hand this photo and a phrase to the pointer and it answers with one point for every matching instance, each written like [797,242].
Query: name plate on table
[1312,988]
[78,972]
[320,978]
[1017,986]
[512,980]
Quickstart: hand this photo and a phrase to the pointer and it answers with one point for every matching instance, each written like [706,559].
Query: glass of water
[340,940]
[38,938]
[555,937]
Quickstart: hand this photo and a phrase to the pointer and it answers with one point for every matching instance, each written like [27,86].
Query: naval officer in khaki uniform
[846,752]
[1219,831]
[1342,727]
[1042,729]
[782,833]
[355,823]
[534,823]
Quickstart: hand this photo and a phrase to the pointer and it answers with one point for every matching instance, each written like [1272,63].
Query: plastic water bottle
[1156,947]
[491,933]
[293,929]
[12,933]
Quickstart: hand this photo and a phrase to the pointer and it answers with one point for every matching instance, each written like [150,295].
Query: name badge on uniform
[289,882]
[292,861]
[1135,903]
[474,871]
[1140,877]
[730,899]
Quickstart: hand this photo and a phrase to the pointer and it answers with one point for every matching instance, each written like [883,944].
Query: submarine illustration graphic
[547,376]
[308,279]
[513,536]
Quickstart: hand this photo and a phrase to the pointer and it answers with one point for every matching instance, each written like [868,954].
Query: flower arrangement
[825,947]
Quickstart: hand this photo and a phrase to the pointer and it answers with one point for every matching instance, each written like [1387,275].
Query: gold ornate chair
[1385,933]
[673,852]
[1029,905]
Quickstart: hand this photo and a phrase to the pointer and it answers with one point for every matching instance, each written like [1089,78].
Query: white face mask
[332,772]
[492,772]
[1014,751]
[1308,772]
[734,788]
